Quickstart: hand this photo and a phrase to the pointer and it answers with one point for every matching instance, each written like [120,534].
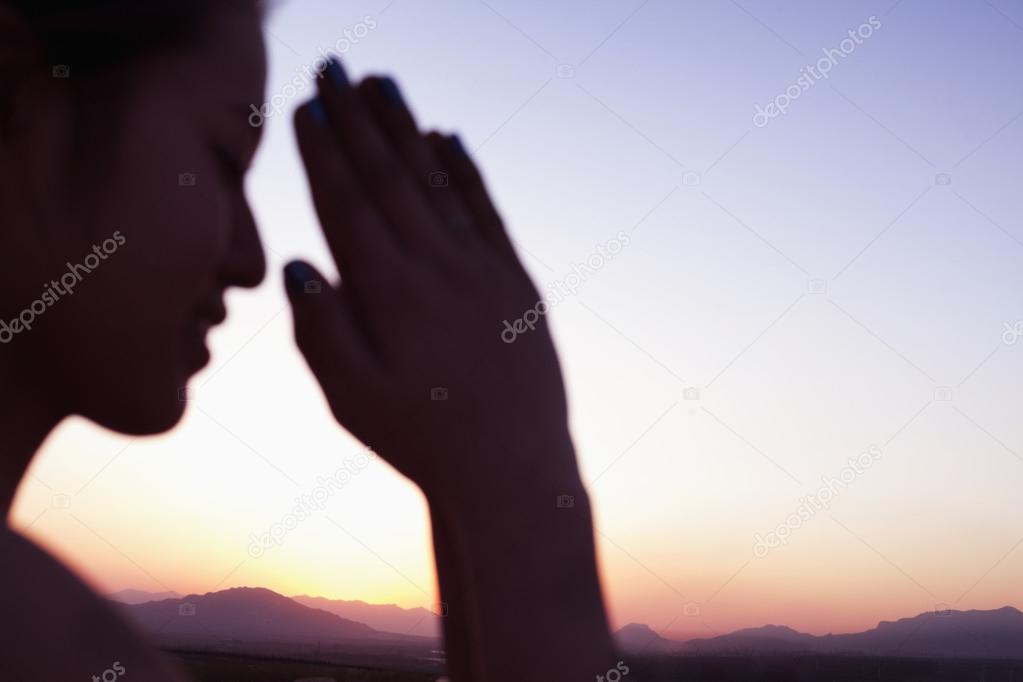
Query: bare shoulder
[55,628]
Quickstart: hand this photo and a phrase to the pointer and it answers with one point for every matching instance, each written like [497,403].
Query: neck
[25,421]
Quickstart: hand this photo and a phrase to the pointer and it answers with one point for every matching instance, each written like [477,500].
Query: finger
[469,184]
[466,224]
[355,232]
[418,153]
[328,334]
[380,170]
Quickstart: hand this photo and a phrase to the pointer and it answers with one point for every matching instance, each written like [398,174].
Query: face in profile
[128,222]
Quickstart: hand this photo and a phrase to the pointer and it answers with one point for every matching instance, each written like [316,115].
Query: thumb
[325,329]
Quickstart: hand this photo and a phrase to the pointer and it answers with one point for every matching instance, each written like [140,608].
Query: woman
[124,143]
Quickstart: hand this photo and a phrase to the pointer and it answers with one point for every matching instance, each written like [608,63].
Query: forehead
[228,58]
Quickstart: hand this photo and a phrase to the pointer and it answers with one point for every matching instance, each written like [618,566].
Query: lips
[211,314]
[205,318]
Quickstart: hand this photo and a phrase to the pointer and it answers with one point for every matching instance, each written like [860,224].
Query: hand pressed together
[408,346]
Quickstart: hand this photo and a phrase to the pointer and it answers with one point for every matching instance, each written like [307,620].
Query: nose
[246,262]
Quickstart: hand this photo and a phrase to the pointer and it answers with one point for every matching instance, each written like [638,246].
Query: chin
[146,412]
[152,423]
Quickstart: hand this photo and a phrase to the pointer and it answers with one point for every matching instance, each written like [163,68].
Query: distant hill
[769,638]
[957,634]
[141,596]
[636,637]
[935,634]
[244,614]
[383,617]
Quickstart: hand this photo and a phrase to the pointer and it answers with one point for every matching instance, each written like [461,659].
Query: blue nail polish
[336,73]
[297,276]
[457,147]
[317,110]
[391,91]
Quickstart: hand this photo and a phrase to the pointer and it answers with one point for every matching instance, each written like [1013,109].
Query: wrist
[526,474]
[527,552]
[537,508]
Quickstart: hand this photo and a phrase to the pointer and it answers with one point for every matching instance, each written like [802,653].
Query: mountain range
[276,612]
[244,614]
[935,634]
[384,617]
[255,615]
[256,622]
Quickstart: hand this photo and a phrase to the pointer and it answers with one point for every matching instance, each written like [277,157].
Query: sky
[822,265]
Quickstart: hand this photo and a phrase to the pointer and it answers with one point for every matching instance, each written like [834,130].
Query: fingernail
[317,110]
[336,73]
[391,91]
[297,276]
[457,147]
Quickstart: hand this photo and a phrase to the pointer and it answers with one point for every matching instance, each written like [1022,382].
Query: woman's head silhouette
[124,142]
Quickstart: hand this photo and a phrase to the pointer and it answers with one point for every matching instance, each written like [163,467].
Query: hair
[85,40]
[87,36]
